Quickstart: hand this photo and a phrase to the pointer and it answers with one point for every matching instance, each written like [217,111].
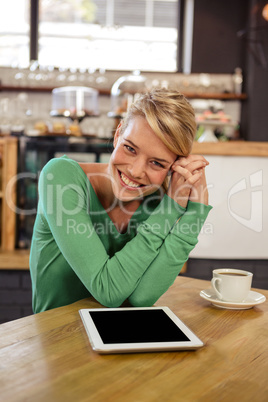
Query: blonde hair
[170,116]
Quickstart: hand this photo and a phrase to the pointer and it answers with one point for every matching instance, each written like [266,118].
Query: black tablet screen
[136,326]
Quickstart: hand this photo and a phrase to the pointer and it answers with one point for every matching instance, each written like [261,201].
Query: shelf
[41,89]
[220,96]
[190,95]
[231,148]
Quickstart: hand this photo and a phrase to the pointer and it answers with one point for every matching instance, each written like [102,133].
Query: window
[87,34]
[14,32]
[109,34]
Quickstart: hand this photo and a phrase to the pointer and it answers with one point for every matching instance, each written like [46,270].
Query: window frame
[34,33]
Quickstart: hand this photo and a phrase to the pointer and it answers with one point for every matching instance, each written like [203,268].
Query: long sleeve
[110,280]
[173,253]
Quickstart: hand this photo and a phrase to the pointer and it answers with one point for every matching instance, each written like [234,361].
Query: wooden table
[47,357]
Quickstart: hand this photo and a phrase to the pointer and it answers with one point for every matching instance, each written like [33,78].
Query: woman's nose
[137,169]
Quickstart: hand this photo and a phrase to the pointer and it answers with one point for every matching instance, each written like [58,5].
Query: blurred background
[69,69]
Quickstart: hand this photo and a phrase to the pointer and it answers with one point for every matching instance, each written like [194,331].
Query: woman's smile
[130,183]
[137,168]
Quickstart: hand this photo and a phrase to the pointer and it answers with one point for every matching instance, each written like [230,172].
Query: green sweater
[77,252]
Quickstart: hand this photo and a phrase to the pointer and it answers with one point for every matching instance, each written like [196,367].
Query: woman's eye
[157,164]
[129,148]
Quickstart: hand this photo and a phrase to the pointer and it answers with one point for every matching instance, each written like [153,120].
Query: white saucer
[252,300]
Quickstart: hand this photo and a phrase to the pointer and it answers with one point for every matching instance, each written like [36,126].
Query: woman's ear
[117,134]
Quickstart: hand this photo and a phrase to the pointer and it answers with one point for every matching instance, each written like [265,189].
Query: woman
[122,231]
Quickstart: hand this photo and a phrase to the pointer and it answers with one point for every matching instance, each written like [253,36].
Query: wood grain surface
[47,356]
[231,148]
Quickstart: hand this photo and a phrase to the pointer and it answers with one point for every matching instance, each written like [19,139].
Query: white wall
[237,226]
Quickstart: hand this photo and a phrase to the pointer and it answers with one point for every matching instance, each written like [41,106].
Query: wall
[254,113]
[237,226]
[218,49]
[216,46]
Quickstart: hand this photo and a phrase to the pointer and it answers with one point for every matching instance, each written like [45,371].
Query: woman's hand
[188,181]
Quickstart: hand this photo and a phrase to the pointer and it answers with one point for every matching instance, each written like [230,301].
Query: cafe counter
[241,157]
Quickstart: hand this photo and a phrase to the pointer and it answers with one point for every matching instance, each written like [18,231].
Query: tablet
[137,329]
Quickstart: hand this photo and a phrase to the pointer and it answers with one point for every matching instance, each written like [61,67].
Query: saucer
[253,299]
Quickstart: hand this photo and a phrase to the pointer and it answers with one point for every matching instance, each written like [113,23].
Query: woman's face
[140,161]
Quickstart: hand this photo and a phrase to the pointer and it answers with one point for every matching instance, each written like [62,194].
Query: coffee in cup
[231,285]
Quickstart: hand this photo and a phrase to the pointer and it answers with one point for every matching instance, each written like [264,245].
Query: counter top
[48,357]
[16,259]
[231,148]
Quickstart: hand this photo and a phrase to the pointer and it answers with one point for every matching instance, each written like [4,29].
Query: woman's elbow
[110,302]
[142,301]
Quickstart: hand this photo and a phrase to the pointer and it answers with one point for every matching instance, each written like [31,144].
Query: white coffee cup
[232,285]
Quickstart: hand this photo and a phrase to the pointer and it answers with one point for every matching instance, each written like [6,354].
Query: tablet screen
[136,326]
[137,329]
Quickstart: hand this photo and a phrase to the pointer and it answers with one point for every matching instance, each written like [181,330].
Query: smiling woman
[123,230]
[134,166]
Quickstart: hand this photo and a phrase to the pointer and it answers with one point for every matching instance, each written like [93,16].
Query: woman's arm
[188,187]
[173,253]
[63,196]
